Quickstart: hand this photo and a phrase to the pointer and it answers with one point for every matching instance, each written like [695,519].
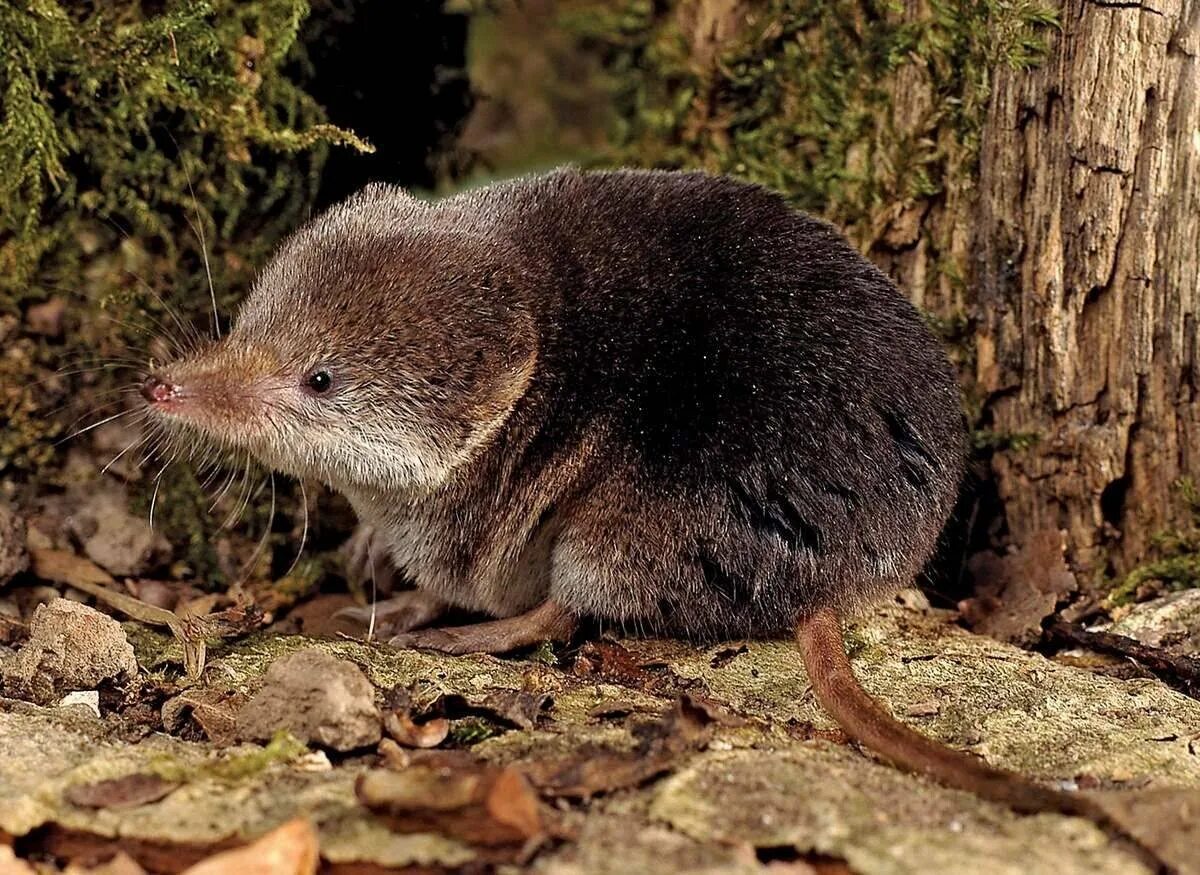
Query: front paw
[404,612]
[366,562]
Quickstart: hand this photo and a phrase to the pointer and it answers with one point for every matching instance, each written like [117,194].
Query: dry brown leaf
[190,631]
[128,791]
[403,729]
[214,712]
[1016,592]
[517,707]
[472,801]
[591,771]
[291,849]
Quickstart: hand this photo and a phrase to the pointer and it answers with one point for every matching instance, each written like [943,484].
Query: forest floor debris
[71,647]
[625,756]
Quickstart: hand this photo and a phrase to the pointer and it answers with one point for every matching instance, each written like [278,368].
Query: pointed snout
[157,390]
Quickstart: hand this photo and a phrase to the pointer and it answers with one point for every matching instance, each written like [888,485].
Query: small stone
[318,698]
[89,699]
[70,647]
[14,557]
[116,540]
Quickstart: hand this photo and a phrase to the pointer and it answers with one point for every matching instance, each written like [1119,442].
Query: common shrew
[664,401]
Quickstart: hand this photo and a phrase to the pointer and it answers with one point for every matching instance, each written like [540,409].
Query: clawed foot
[404,612]
[366,562]
[547,622]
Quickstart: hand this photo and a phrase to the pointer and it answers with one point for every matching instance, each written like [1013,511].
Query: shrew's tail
[865,720]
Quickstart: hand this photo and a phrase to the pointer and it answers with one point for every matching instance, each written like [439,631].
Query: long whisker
[157,484]
[93,425]
[374,592]
[303,532]
[132,444]
[262,542]
[228,482]
[198,227]
[188,331]
[162,330]
[243,490]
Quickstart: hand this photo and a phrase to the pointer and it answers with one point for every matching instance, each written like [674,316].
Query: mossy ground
[772,787]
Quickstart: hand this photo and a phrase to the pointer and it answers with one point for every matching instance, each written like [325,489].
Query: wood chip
[291,849]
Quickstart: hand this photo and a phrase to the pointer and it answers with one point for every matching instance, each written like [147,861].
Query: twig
[1182,672]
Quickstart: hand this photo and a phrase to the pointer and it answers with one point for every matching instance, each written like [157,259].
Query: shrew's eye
[319,381]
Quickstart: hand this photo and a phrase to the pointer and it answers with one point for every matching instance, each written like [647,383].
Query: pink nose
[156,390]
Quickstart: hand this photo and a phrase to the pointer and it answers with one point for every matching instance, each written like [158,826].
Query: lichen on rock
[70,647]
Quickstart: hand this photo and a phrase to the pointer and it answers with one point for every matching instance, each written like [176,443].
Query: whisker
[303,532]
[198,228]
[93,425]
[224,489]
[191,336]
[162,331]
[154,496]
[374,591]
[243,489]
[132,444]
[262,542]
[99,396]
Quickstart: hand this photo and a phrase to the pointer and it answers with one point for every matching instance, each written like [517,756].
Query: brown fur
[665,401]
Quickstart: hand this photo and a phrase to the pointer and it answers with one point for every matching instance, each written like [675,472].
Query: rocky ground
[612,756]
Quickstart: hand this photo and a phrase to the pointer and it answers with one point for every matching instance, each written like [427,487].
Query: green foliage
[144,124]
[1178,564]
[148,153]
[796,100]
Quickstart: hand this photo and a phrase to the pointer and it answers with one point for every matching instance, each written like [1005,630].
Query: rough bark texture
[1087,272]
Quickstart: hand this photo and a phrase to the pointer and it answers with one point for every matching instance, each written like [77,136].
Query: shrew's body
[661,400]
[720,416]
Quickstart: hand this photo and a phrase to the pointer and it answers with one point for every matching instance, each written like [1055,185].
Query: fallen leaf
[473,801]
[517,707]
[63,567]
[128,791]
[591,771]
[1016,592]
[212,712]
[190,631]
[613,661]
[291,849]
[403,729]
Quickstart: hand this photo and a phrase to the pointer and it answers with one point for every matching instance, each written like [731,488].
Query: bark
[1087,242]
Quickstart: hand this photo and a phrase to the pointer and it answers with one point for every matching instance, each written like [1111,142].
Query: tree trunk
[1087,273]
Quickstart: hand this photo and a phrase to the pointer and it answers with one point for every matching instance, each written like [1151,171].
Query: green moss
[283,748]
[1176,565]
[545,654]
[472,730]
[984,439]
[795,99]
